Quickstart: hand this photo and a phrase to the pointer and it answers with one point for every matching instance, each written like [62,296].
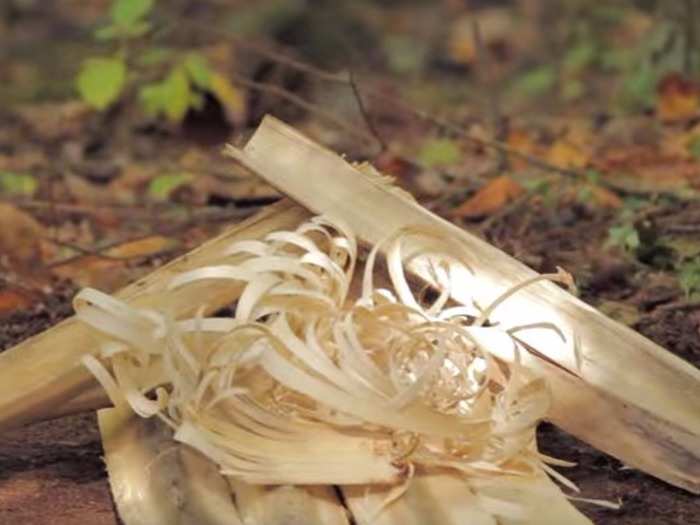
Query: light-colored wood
[446,499]
[42,377]
[156,481]
[629,396]
[288,505]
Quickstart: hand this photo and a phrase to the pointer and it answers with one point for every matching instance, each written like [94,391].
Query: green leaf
[101,81]
[197,100]
[198,70]
[171,97]
[162,186]
[537,81]
[153,98]
[17,183]
[126,13]
[625,236]
[439,152]
[689,277]
[177,95]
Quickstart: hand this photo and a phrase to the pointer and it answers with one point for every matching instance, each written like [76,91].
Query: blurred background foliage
[475,106]
[549,53]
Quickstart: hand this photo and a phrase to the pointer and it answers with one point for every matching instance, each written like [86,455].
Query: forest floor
[92,198]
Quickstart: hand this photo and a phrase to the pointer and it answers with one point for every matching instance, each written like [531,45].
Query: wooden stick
[156,481]
[626,395]
[42,377]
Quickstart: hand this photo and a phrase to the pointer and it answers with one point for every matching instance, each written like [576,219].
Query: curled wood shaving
[305,384]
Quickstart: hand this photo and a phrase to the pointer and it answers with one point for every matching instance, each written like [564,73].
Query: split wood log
[42,377]
[156,481]
[622,393]
[288,504]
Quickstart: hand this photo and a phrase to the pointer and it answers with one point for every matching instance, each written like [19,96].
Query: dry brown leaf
[12,300]
[523,142]
[20,237]
[678,98]
[565,154]
[648,170]
[231,97]
[489,199]
[143,247]
[111,270]
[677,144]
[681,143]
[606,198]
[91,270]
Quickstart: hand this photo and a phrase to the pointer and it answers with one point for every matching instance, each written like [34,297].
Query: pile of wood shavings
[307,385]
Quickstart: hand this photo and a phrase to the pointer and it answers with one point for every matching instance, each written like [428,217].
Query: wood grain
[630,397]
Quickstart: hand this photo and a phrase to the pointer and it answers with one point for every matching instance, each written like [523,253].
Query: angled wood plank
[42,377]
[629,397]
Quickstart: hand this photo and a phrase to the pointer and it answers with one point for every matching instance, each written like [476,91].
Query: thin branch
[122,210]
[82,252]
[347,79]
[484,74]
[284,59]
[69,207]
[304,104]
[195,220]
[365,113]
[330,117]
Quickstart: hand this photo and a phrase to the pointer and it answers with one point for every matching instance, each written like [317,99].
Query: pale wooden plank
[41,375]
[630,397]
